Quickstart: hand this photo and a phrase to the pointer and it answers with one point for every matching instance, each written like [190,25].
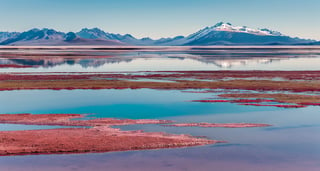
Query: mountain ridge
[219,34]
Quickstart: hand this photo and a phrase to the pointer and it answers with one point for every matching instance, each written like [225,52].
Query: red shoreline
[100,137]
[219,125]
[280,105]
[294,81]
[172,75]
[14,66]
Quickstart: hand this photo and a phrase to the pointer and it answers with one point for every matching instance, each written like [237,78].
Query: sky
[161,18]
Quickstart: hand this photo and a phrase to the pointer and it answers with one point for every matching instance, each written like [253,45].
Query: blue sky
[161,18]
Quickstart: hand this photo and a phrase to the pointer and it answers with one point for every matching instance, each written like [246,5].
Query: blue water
[19,127]
[133,104]
[290,144]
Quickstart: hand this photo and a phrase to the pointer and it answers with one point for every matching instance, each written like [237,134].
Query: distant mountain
[96,33]
[34,37]
[53,37]
[74,39]
[7,35]
[219,34]
[312,43]
[227,34]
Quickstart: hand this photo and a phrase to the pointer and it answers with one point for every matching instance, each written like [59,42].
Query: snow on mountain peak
[228,27]
[222,26]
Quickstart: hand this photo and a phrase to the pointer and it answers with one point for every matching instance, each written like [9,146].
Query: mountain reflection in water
[140,60]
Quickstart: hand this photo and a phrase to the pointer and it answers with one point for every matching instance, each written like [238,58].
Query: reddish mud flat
[107,81]
[259,85]
[311,104]
[219,125]
[303,81]
[281,106]
[65,120]
[235,101]
[211,101]
[214,75]
[251,100]
[257,99]
[281,98]
[89,140]
[197,75]
[100,138]
[14,66]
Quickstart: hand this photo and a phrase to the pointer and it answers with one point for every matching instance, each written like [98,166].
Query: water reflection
[217,59]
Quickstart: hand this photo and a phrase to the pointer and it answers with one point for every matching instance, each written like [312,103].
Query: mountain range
[218,34]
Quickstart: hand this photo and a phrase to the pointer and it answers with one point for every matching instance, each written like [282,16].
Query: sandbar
[99,137]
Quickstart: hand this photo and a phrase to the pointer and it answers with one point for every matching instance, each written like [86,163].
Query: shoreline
[295,89]
[245,80]
[100,137]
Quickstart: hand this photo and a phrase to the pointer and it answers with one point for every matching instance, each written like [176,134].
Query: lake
[291,143]
[170,59]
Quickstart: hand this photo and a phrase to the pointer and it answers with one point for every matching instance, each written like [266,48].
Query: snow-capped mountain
[212,34]
[227,34]
[218,34]
[242,29]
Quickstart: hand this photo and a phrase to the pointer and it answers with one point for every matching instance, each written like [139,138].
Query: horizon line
[139,37]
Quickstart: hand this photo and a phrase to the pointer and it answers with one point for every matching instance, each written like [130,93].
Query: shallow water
[292,143]
[19,127]
[132,104]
